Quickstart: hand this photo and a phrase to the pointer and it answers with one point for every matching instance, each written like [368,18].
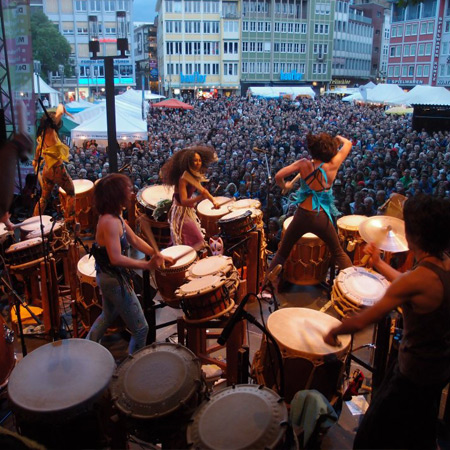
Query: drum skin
[350,238]
[84,202]
[209,216]
[308,362]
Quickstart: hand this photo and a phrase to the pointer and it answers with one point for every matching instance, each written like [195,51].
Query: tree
[50,47]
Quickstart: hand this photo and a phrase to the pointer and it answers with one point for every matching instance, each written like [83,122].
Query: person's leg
[322,227]
[63,180]
[47,186]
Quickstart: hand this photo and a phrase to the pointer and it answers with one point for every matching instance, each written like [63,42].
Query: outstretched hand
[373,252]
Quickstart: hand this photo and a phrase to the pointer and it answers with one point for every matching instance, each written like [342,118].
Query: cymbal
[386,232]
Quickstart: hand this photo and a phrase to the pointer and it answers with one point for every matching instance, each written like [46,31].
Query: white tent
[381,93]
[280,91]
[42,88]
[424,95]
[128,127]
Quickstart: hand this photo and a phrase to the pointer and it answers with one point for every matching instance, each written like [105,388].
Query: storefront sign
[437,46]
[340,82]
[291,76]
[443,83]
[405,82]
[195,78]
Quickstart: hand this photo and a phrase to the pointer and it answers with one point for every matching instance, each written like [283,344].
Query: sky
[144,10]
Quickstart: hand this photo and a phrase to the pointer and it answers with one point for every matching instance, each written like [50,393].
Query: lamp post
[61,74]
[76,70]
[37,71]
[94,48]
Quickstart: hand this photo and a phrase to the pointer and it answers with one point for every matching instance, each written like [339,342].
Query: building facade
[71,17]
[146,56]
[419,43]
[353,45]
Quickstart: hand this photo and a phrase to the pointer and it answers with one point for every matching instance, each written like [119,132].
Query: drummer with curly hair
[403,412]
[314,198]
[185,228]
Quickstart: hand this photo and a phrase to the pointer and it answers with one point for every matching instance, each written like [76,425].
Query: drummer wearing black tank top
[404,409]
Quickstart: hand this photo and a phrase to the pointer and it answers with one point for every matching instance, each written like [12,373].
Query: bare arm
[285,172]
[384,268]
[340,156]
[191,202]
[60,111]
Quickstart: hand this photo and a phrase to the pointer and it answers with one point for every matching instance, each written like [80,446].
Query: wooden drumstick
[296,178]
[377,242]
[187,252]
[224,203]
[190,179]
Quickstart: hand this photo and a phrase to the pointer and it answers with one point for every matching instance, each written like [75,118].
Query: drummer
[404,410]
[185,228]
[314,198]
[55,154]
[113,237]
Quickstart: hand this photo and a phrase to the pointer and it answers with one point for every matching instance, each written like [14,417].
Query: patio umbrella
[172,103]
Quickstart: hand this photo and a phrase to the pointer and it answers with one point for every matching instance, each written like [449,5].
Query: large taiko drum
[7,359]
[90,301]
[84,202]
[147,200]
[246,203]
[308,261]
[33,225]
[350,238]
[55,233]
[209,216]
[205,298]
[245,416]
[308,362]
[169,279]
[57,392]
[6,239]
[157,389]
[25,252]
[357,287]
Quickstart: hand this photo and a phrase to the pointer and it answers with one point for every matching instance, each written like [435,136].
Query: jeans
[306,221]
[119,300]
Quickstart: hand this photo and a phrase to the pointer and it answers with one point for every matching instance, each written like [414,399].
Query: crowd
[252,135]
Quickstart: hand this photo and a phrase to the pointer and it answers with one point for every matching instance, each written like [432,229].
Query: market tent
[172,103]
[42,88]
[424,95]
[78,106]
[128,128]
[281,91]
[381,93]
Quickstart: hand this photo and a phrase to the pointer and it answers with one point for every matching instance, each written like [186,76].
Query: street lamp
[37,71]
[94,48]
[61,74]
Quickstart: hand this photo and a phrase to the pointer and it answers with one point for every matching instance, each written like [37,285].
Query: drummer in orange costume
[55,154]
[185,228]
[404,410]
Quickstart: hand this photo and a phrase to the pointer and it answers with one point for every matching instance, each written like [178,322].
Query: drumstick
[190,179]
[187,252]
[29,221]
[224,203]
[377,242]
[297,177]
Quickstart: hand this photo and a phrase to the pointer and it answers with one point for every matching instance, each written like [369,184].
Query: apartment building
[71,17]
[146,56]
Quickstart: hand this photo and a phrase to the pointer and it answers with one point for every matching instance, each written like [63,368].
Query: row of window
[352,64]
[189,69]
[353,46]
[408,71]
[444,70]
[353,28]
[194,48]
[412,28]
[264,67]
[422,10]
[193,26]
[424,49]
[96,5]
[90,71]
[84,30]
[279,27]
[207,7]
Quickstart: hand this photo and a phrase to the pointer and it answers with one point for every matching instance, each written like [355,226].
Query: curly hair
[45,123]
[181,161]
[322,146]
[427,223]
[110,194]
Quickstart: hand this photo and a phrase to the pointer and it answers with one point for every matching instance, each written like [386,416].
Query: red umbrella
[172,103]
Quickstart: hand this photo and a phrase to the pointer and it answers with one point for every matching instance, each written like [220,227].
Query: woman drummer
[185,226]
[113,237]
[314,198]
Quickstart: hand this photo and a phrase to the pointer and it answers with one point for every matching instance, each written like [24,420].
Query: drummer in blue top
[314,197]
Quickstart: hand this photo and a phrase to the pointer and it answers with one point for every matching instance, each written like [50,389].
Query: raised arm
[60,111]
[343,152]
[285,172]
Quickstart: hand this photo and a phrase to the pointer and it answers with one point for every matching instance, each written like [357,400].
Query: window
[447,26]
[400,31]
[408,30]
[266,67]
[211,7]
[215,68]
[419,71]
[207,69]
[406,50]
[95,5]
[251,67]
[82,30]
[277,27]
[283,27]
[259,67]
[421,51]
[253,46]
[122,5]
[188,48]
[428,10]
[192,6]
[444,48]
[283,47]
[210,27]
[413,50]
[110,30]
[276,47]
[275,68]
[174,48]
[423,28]
[430,27]
[268,26]
[302,48]
[230,69]
[413,29]
[188,69]
[394,32]
[289,47]
[230,26]
[252,26]
[428,49]
[230,48]
[426,71]
[197,67]
[290,27]
[260,26]
[81,5]
[320,49]
[441,70]
[390,71]
[244,67]
[396,71]
[259,46]
[267,46]
[303,28]
[296,48]
[244,26]
[392,51]
[404,71]
[110,5]
[245,46]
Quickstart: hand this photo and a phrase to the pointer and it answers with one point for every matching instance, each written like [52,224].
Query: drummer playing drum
[404,410]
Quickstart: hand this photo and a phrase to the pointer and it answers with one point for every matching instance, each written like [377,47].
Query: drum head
[236,214]
[247,203]
[151,195]
[86,267]
[34,223]
[205,207]
[47,228]
[300,331]
[156,380]
[210,266]
[177,250]
[239,417]
[23,245]
[80,186]
[60,378]
[361,286]
[350,222]
[200,286]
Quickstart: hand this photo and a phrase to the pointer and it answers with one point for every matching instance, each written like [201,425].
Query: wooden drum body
[236,224]
[171,278]
[308,261]
[7,359]
[209,217]
[350,238]
[309,363]
[25,252]
[147,200]
[6,239]
[84,202]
